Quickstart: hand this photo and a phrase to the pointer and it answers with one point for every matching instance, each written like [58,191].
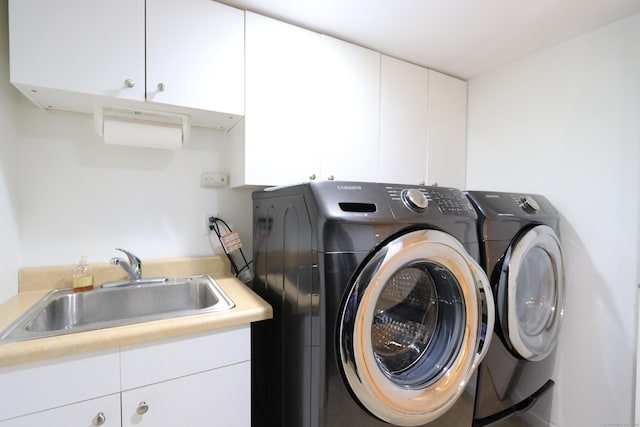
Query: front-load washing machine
[381,312]
[522,255]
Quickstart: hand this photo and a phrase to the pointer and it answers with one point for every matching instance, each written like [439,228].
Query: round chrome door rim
[535,347]
[403,405]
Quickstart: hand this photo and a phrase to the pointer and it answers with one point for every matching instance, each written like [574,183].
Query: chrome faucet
[133,267]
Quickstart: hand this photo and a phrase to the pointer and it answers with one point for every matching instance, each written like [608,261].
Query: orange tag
[231,241]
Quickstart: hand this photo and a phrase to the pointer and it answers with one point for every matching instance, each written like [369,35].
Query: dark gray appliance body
[515,385]
[311,241]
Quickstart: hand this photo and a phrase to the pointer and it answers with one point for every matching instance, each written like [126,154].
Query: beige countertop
[34,282]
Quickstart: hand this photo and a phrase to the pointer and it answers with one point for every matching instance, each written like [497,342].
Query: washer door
[531,292]
[416,322]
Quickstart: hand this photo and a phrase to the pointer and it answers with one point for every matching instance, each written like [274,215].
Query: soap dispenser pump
[82,276]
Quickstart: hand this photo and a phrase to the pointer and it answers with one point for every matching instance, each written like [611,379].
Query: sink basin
[63,311]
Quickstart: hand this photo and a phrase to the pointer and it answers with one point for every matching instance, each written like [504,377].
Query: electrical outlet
[213,179]
[206,223]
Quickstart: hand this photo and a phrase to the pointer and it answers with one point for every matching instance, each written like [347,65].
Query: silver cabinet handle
[142,408]
[99,419]
[129,83]
[162,87]
[312,176]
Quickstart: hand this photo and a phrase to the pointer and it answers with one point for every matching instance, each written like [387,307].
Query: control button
[415,200]
[528,204]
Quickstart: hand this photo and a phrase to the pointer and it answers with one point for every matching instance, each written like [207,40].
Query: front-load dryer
[381,311]
[522,255]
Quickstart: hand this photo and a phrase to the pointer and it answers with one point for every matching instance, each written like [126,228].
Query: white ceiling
[462,38]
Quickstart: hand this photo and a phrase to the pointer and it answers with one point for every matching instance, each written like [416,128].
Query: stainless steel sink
[63,311]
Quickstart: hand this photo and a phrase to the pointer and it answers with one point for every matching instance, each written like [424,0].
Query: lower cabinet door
[219,397]
[103,411]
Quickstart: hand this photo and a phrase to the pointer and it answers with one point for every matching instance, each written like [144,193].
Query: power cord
[230,242]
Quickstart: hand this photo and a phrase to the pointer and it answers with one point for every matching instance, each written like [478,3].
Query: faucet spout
[133,266]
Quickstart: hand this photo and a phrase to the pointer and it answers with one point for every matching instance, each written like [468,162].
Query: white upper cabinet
[423,126]
[195,51]
[318,108]
[77,45]
[351,99]
[314,107]
[279,140]
[72,54]
[311,108]
[447,131]
[403,122]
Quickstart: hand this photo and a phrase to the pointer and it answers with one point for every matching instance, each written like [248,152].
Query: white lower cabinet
[103,411]
[218,397]
[194,381]
[197,380]
[45,385]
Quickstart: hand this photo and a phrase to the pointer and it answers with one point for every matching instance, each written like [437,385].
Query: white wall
[10,244]
[566,123]
[81,196]
[637,370]
[63,193]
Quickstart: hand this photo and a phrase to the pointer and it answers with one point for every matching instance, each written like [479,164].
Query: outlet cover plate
[213,179]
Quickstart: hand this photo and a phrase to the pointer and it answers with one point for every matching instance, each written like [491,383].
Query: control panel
[449,201]
[512,204]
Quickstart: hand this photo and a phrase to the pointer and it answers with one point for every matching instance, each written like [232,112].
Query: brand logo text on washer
[349,187]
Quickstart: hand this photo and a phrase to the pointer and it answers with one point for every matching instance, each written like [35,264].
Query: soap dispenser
[82,276]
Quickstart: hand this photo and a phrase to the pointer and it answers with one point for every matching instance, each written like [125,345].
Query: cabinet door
[183,356]
[403,122]
[195,49]
[78,45]
[447,131]
[104,411]
[219,397]
[350,125]
[48,384]
[283,121]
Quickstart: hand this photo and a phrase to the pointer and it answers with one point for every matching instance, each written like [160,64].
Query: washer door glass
[535,289]
[418,324]
[413,327]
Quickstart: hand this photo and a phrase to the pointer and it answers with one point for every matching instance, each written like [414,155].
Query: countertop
[35,282]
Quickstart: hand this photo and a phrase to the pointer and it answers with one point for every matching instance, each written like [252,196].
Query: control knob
[528,204]
[414,199]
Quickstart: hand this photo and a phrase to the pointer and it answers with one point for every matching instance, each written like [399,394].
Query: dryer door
[416,322]
[531,292]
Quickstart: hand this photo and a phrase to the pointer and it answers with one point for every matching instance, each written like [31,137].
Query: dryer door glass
[414,327]
[536,292]
[534,279]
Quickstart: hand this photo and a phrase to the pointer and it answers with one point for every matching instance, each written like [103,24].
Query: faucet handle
[133,268]
[133,260]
